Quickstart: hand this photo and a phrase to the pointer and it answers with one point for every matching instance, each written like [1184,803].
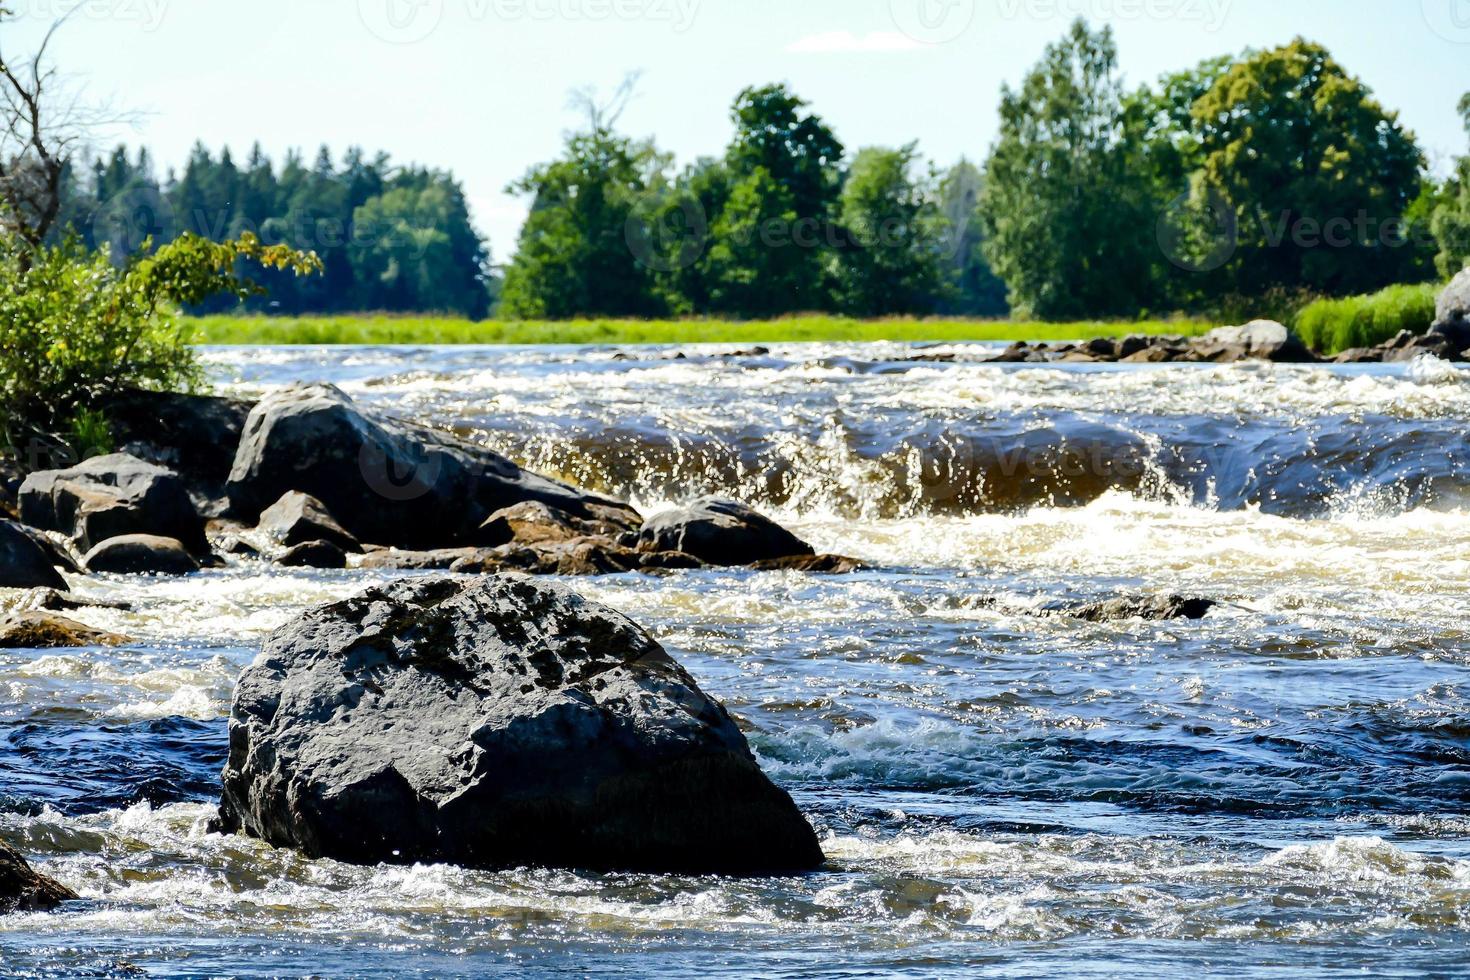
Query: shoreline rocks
[502,722]
[22,889]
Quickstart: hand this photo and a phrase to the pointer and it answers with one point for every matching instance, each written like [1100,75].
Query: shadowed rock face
[24,564]
[386,481]
[501,722]
[22,890]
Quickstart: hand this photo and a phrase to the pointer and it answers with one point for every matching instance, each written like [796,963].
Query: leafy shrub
[1334,325]
[77,328]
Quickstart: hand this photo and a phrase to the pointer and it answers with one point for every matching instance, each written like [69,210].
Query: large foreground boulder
[111,496]
[24,564]
[721,532]
[388,482]
[493,723]
[23,890]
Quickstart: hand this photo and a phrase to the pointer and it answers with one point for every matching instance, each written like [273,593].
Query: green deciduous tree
[977,290]
[1451,216]
[893,258]
[1317,172]
[1067,211]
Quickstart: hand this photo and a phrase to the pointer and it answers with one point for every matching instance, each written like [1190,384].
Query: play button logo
[401,21]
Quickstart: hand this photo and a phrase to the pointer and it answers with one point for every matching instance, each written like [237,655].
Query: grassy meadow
[414,330]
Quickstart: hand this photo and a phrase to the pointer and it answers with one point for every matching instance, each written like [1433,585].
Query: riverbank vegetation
[445,330]
[1097,200]
[1335,325]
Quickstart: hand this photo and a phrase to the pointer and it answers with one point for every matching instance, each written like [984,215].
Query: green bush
[1331,326]
[77,328]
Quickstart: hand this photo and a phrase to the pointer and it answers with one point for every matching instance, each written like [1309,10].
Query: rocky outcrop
[111,496]
[141,554]
[39,630]
[298,518]
[24,564]
[721,532]
[387,482]
[490,723]
[23,890]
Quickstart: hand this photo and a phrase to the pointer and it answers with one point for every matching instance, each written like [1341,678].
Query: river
[1279,790]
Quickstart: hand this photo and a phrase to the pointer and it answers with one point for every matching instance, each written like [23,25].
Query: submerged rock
[534,522]
[40,630]
[62,601]
[492,723]
[23,890]
[1160,607]
[387,481]
[109,497]
[812,564]
[721,532]
[141,554]
[24,564]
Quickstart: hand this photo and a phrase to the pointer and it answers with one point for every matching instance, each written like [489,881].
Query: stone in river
[23,890]
[721,532]
[111,496]
[141,554]
[24,564]
[496,722]
[38,630]
[298,518]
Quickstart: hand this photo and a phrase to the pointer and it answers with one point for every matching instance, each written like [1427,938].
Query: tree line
[389,238]
[1273,174]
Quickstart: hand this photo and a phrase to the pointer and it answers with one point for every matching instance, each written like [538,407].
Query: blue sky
[480,86]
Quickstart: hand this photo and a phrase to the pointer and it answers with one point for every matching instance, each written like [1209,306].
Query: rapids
[1278,790]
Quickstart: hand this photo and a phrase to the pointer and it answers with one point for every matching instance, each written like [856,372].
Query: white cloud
[846,42]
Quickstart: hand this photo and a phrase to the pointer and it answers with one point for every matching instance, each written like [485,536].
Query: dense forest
[390,238]
[1268,175]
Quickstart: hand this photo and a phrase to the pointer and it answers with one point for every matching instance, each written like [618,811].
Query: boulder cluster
[306,478]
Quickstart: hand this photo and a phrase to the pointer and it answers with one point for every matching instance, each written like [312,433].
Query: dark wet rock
[60,601]
[313,554]
[24,564]
[534,523]
[386,481]
[1102,348]
[141,554]
[41,630]
[111,496]
[1162,607]
[491,723]
[195,436]
[1263,340]
[1132,344]
[721,532]
[23,890]
[813,564]
[298,518]
[1155,355]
